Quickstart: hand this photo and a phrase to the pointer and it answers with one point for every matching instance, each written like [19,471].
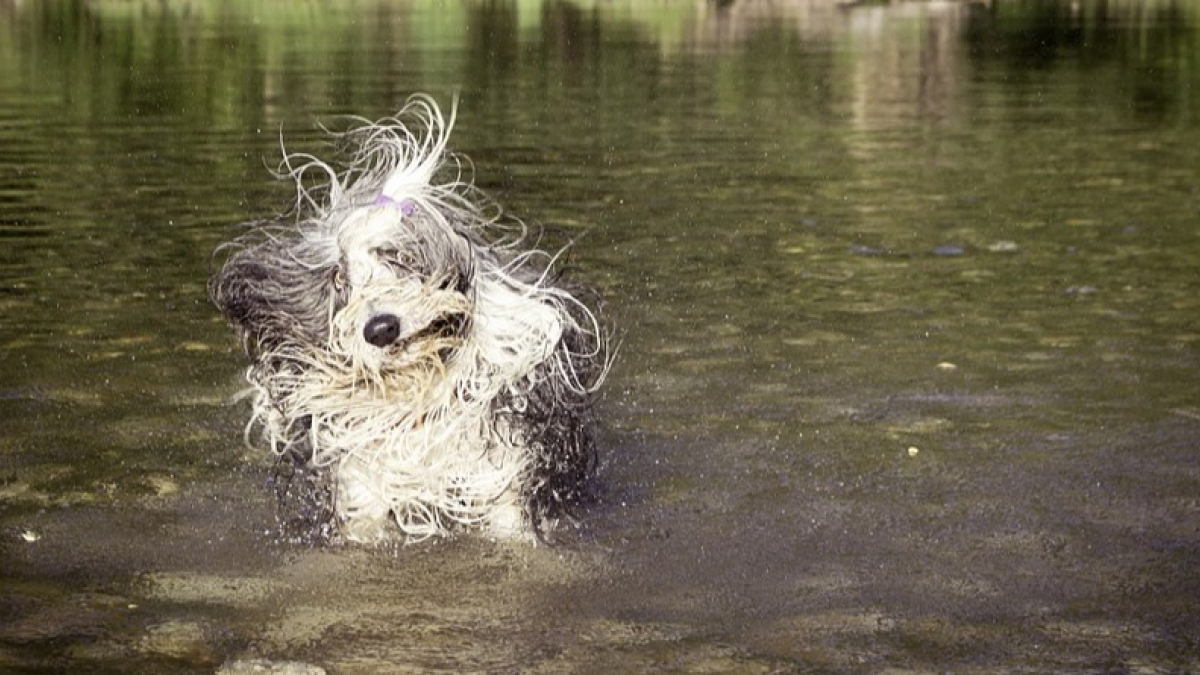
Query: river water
[908,297]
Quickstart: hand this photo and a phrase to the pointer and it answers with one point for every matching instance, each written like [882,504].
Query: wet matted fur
[416,364]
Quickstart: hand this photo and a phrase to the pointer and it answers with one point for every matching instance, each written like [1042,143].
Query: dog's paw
[364,516]
[508,522]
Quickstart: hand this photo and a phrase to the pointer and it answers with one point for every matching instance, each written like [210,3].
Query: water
[907,297]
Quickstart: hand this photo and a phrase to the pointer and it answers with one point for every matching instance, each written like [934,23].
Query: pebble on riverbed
[266,667]
[178,639]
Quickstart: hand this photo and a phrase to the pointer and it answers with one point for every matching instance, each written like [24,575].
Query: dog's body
[426,373]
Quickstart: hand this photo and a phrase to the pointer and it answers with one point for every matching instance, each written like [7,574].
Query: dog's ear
[237,290]
[272,297]
[241,291]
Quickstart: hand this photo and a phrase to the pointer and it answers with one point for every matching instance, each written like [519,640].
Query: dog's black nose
[382,330]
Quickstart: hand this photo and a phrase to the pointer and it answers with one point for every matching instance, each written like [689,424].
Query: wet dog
[416,363]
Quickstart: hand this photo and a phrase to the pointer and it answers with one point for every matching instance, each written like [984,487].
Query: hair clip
[406,206]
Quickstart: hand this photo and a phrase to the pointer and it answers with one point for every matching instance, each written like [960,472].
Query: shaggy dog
[414,361]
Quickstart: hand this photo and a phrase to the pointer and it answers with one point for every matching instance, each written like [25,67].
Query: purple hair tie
[406,206]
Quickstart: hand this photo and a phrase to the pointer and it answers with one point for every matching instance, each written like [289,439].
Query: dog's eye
[456,282]
[339,279]
[394,258]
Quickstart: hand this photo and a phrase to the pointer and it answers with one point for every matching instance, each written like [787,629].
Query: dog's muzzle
[382,330]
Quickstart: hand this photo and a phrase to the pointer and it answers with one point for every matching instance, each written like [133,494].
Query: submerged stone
[267,667]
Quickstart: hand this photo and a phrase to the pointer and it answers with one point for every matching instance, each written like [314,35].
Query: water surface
[907,296]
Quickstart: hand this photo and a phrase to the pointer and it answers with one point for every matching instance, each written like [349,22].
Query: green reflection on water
[830,233]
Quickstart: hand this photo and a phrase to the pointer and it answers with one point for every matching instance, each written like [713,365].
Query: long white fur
[410,441]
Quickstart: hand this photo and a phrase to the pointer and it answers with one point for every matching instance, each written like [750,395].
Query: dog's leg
[363,514]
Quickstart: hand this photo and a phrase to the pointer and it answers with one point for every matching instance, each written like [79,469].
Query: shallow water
[907,297]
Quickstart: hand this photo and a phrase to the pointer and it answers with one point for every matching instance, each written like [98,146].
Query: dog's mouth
[443,327]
